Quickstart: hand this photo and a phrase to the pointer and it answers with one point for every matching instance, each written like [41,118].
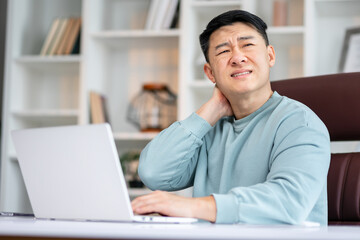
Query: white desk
[20,227]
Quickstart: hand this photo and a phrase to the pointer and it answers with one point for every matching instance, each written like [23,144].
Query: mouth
[238,74]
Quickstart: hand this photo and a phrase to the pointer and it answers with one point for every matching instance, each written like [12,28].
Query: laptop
[74,173]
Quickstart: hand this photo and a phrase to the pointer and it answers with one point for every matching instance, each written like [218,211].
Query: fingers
[153,202]
[173,205]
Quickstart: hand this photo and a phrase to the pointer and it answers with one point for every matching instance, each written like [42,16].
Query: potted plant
[129,164]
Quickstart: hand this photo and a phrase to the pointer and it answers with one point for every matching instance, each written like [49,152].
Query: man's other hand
[173,205]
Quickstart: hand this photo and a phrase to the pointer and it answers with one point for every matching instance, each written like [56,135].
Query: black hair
[228,18]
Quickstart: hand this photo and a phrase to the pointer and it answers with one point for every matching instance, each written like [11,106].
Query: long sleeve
[169,161]
[267,168]
[296,181]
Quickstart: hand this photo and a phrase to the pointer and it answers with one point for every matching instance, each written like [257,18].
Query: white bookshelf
[118,55]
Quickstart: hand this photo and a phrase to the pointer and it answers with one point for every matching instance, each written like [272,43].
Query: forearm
[168,161]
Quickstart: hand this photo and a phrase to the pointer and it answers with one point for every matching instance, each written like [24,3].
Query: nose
[238,57]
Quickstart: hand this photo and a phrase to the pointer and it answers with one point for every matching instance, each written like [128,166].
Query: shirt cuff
[196,125]
[226,208]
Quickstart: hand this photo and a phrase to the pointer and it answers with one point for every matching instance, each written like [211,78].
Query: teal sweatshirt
[267,168]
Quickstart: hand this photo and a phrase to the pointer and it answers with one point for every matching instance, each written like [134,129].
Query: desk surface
[16,226]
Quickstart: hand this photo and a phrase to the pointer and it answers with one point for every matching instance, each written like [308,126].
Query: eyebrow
[239,39]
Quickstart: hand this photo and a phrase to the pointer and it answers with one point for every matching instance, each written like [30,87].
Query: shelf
[45,118]
[49,59]
[39,118]
[135,34]
[286,30]
[201,84]
[50,63]
[138,136]
[131,39]
[337,8]
[13,158]
[46,113]
[138,191]
[216,3]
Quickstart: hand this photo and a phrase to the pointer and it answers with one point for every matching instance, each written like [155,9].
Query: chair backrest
[344,189]
[336,100]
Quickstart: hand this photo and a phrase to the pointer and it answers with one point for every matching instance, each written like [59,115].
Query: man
[251,155]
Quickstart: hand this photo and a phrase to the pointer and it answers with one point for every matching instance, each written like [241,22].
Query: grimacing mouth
[241,73]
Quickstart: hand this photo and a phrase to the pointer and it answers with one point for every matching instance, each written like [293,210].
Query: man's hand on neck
[217,107]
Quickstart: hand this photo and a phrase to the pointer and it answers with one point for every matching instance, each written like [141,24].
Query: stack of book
[163,14]
[63,37]
[288,13]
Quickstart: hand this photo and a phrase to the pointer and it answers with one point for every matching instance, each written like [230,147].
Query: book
[151,14]
[160,14]
[58,37]
[170,14]
[175,20]
[104,109]
[296,16]
[74,35]
[76,47]
[98,111]
[50,37]
[65,38]
[280,13]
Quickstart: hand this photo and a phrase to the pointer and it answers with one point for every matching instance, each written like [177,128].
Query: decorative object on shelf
[350,55]
[154,108]
[129,164]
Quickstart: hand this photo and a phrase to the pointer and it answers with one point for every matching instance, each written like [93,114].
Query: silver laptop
[74,173]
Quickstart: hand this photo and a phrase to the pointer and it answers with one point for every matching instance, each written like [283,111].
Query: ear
[209,73]
[271,54]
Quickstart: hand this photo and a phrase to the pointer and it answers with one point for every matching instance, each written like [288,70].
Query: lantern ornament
[154,108]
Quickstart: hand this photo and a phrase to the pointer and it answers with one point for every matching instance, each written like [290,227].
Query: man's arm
[169,161]
[170,204]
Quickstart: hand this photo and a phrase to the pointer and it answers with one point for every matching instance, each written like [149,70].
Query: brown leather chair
[336,100]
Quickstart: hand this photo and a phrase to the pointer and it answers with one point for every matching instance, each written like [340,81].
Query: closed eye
[222,52]
[248,44]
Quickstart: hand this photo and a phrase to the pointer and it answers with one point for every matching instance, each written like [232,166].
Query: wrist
[204,208]
[211,112]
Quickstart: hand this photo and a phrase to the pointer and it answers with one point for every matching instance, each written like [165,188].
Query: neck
[245,104]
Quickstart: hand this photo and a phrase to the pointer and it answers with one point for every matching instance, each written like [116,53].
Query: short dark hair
[228,18]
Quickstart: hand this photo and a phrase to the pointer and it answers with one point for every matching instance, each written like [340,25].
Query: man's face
[239,60]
